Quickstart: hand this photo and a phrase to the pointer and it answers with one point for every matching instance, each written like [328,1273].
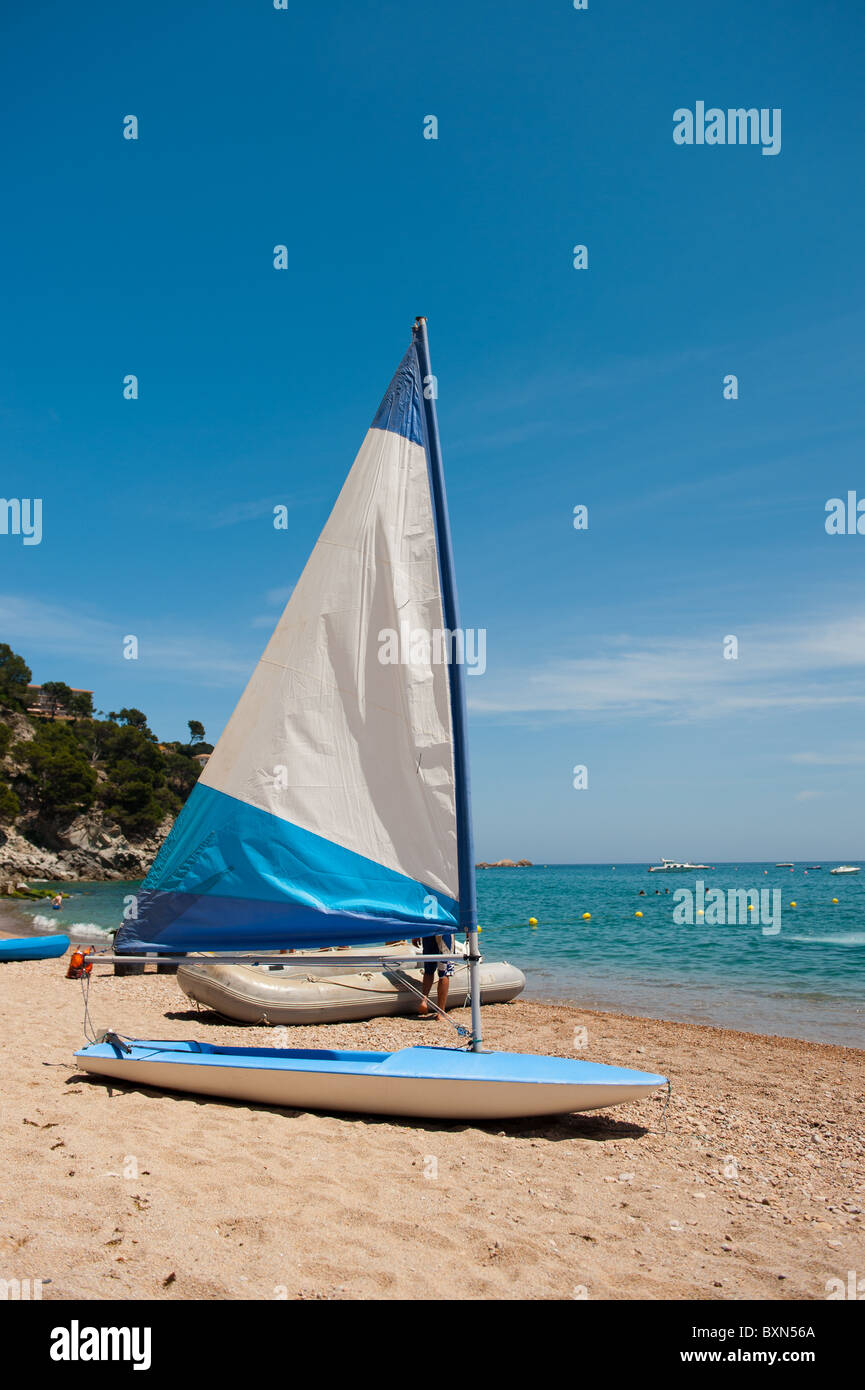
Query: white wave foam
[74,930]
[85,930]
[851,938]
[48,924]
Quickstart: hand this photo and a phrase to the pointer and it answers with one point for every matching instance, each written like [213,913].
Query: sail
[327,813]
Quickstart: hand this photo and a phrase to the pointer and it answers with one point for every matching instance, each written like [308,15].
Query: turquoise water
[806,981]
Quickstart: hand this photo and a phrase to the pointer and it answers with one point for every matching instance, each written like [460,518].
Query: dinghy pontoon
[280,993]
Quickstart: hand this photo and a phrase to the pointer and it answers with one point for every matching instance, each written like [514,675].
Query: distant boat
[672,866]
[785,866]
[845,869]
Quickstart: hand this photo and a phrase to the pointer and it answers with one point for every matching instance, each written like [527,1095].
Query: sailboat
[335,810]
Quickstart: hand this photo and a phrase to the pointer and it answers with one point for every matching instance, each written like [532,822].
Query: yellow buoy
[638,914]
[750,907]
[792,904]
[533,921]
[586,916]
[834,900]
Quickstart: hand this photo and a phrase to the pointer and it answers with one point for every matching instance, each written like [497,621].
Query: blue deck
[440,1063]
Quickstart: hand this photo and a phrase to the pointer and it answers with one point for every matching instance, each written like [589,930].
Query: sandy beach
[751,1185]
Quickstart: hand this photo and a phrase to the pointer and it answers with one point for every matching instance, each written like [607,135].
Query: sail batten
[327,813]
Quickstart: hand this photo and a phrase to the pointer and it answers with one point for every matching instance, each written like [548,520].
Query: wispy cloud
[227,506]
[279,597]
[237,512]
[515,395]
[802,666]
[814,665]
[276,600]
[35,627]
[846,758]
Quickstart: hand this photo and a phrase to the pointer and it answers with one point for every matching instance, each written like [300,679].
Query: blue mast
[468,914]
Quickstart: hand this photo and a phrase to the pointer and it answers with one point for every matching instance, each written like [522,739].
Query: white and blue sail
[334,808]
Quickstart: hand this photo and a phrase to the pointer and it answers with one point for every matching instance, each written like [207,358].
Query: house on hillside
[43,706]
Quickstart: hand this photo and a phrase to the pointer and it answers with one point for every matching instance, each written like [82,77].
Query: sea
[805,979]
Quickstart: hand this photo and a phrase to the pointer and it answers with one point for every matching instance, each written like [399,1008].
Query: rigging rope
[667,1105]
[90,1032]
[403,979]
[89,1027]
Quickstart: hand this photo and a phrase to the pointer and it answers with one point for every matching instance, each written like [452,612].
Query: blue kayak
[33,947]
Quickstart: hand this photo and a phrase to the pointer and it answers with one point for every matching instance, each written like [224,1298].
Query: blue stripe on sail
[400,411]
[231,877]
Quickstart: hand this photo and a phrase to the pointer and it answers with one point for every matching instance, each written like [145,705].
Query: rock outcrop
[57,784]
[88,847]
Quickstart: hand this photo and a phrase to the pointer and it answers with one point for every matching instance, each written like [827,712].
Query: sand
[751,1186]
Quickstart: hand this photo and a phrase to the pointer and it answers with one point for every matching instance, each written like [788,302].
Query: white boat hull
[436,1083]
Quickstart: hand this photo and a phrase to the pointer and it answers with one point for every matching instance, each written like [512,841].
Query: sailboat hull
[421,1082]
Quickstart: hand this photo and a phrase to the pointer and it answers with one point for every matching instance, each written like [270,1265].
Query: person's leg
[442,992]
[446,969]
[428,977]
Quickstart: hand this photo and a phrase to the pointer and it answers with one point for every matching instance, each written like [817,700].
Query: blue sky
[557,386]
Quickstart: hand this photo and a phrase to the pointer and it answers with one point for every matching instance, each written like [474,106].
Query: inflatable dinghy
[292,994]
